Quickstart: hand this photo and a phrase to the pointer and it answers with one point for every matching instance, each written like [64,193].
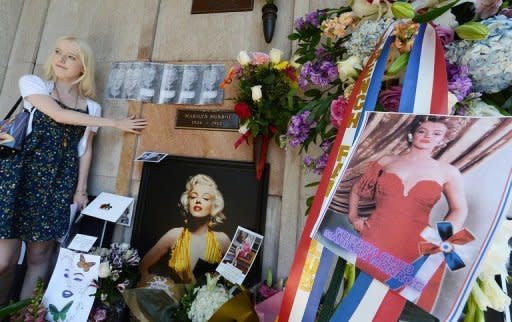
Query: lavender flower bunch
[317,165]
[459,82]
[310,20]
[118,271]
[321,73]
[299,128]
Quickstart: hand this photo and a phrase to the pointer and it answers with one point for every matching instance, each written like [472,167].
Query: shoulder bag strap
[13,108]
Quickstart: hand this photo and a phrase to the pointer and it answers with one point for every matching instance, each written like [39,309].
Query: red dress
[397,222]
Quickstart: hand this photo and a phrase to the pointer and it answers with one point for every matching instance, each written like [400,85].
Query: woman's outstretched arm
[80,197]
[48,106]
[454,192]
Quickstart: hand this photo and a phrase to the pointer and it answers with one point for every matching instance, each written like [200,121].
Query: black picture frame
[157,211]
[215,6]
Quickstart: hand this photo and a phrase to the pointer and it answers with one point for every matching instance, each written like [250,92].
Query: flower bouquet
[334,45]
[210,299]
[266,100]
[118,271]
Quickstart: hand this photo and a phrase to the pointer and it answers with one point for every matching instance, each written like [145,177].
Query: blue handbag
[13,131]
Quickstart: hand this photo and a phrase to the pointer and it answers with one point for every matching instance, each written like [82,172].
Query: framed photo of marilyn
[389,203]
[159,207]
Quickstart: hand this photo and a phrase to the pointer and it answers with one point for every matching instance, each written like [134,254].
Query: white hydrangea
[209,299]
[477,107]
[364,38]
[489,60]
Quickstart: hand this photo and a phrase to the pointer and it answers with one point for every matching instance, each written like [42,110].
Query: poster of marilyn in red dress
[417,202]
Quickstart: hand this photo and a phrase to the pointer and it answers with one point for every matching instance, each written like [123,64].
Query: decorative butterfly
[105,206]
[60,315]
[83,264]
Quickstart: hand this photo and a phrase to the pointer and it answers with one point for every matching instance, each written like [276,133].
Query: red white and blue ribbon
[424,91]
[302,280]
[437,103]
[445,242]
[440,246]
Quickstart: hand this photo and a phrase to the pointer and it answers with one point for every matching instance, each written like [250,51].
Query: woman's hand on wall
[131,124]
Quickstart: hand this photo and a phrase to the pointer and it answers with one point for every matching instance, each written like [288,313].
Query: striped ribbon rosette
[424,91]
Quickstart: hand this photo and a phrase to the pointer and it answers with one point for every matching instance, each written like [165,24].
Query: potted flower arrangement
[334,44]
[118,271]
[266,99]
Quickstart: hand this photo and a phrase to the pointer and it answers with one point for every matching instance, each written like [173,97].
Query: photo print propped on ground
[240,256]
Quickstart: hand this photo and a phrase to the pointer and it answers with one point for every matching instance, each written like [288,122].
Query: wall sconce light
[269,17]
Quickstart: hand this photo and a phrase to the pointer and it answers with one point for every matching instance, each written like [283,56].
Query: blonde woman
[196,244]
[39,184]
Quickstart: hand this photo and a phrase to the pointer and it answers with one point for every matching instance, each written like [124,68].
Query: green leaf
[434,13]
[254,128]
[399,64]
[309,203]
[313,93]
[508,104]
[269,79]
[312,184]
[294,36]
[330,297]
[13,308]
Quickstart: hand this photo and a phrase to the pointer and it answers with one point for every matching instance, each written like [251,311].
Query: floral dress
[37,184]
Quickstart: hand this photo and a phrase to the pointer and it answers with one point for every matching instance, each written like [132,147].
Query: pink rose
[445,34]
[338,107]
[260,58]
[487,8]
[390,98]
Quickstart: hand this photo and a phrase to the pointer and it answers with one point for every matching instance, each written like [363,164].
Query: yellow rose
[281,65]
[275,55]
